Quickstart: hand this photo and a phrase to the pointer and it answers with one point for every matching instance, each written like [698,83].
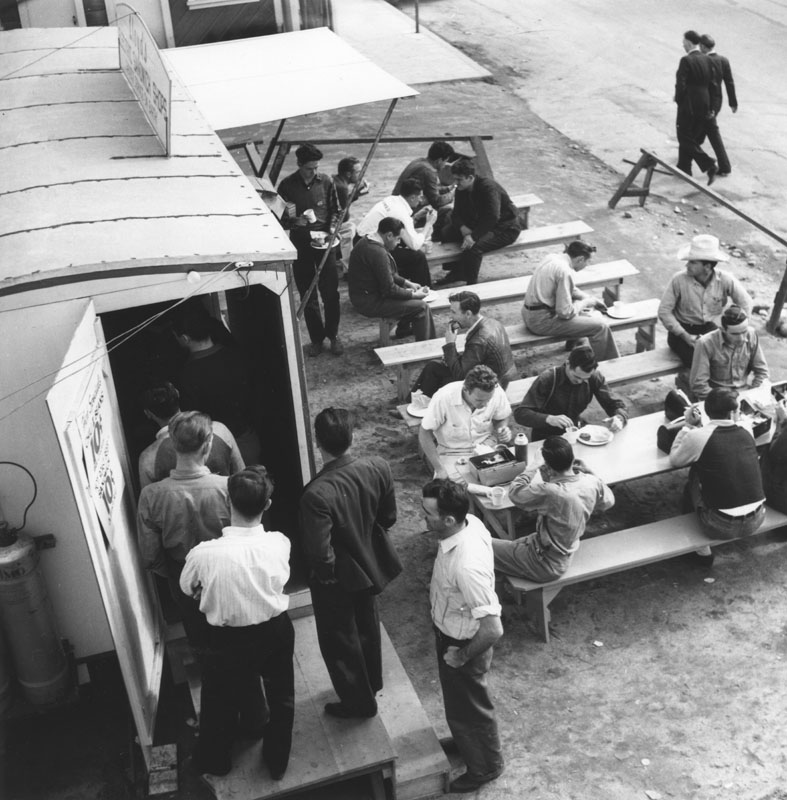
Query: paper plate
[620,312]
[320,246]
[431,297]
[595,435]
[416,412]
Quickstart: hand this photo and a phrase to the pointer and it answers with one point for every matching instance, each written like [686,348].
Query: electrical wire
[35,493]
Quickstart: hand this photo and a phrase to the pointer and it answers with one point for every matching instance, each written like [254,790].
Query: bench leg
[385,332]
[611,293]
[645,337]
[537,608]
[402,382]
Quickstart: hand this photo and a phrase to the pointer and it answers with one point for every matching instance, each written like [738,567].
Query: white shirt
[462,590]
[397,207]
[240,577]
[457,427]
[552,285]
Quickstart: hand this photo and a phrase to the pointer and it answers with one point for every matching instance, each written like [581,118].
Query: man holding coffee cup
[313,207]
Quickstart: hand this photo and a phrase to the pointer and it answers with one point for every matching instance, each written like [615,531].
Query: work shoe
[712,173]
[314,349]
[452,277]
[345,712]
[466,782]
[337,348]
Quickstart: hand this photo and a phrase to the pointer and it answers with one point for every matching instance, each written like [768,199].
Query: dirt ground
[659,682]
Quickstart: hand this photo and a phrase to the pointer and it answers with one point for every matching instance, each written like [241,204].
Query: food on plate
[585,437]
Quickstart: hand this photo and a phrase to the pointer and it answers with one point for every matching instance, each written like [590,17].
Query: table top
[632,453]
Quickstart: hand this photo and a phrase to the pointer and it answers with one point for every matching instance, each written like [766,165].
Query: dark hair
[468,301]
[720,402]
[481,377]
[464,167]
[583,358]
[440,149]
[333,428]
[308,152]
[558,453]
[579,248]
[452,499]
[193,321]
[706,40]
[733,315]
[410,186]
[250,489]
[189,430]
[692,36]
[162,400]
[390,225]
[347,164]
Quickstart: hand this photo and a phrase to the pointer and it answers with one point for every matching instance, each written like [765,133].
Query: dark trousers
[469,710]
[714,138]
[414,315]
[195,625]
[412,264]
[232,699]
[304,269]
[469,264]
[436,374]
[682,347]
[691,134]
[348,630]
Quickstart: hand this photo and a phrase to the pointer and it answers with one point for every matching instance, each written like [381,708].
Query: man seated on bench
[566,495]
[725,486]
[555,307]
[559,395]
[486,343]
[410,260]
[773,463]
[729,358]
[483,219]
[377,290]
[464,415]
[695,298]
[427,172]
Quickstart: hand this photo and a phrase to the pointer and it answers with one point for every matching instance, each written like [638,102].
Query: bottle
[520,447]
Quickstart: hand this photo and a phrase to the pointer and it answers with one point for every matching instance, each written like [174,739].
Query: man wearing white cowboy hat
[724,359]
[695,298]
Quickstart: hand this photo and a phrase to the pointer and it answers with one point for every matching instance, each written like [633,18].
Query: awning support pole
[269,152]
[345,211]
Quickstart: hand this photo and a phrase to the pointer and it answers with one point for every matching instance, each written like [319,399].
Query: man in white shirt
[555,307]
[464,415]
[410,260]
[239,581]
[466,618]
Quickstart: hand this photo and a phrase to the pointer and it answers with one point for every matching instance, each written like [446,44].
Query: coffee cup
[310,215]
[571,434]
[497,495]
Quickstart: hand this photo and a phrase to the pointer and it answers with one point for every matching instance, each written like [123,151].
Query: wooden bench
[528,239]
[405,356]
[618,372]
[617,552]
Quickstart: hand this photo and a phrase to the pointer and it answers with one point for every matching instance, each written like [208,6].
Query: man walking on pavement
[316,209]
[345,514]
[722,73]
[466,618]
[695,93]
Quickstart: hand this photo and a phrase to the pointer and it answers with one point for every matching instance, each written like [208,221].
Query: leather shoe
[467,783]
[314,349]
[345,712]
[337,348]
[712,173]
[722,174]
[700,560]
[452,277]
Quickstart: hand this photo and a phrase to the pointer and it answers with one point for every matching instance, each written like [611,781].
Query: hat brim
[685,254]
[416,412]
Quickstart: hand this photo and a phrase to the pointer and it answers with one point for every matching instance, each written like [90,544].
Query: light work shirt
[239,578]
[397,207]
[463,581]
[459,428]
[687,302]
[552,285]
[716,364]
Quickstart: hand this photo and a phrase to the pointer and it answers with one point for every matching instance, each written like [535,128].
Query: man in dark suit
[694,86]
[722,74]
[345,514]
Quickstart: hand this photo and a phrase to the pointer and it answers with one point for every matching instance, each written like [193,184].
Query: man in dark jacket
[483,219]
[560,394]
[486,342]
[722,74]
[377,290]
[695,92]
[345,513]
[427,172]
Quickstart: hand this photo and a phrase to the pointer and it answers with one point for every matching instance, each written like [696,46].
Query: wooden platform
[396,754]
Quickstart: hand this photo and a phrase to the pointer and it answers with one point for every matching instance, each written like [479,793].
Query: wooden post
[778,305]
[483,167]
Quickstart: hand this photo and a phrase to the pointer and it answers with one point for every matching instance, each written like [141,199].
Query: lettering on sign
[145,71]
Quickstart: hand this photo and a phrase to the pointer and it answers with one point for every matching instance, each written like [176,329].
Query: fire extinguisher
[37,653]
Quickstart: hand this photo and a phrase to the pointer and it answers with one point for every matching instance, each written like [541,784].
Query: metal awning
[268,78]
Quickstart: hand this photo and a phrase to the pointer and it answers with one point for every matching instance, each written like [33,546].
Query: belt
[739,516]
[539,307]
